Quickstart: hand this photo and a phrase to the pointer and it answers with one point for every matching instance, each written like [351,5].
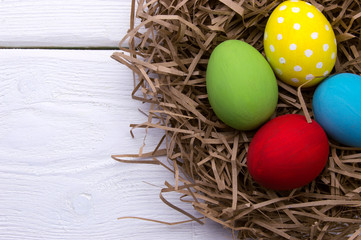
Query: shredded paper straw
[168,54]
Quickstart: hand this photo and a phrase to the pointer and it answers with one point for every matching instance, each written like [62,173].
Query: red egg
[287,152]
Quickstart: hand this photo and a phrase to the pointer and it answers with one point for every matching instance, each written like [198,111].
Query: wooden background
[65,107]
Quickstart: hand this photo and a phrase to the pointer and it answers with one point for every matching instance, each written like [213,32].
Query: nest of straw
[168,53]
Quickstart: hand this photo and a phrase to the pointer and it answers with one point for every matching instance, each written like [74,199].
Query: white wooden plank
[53,23]
[62,114]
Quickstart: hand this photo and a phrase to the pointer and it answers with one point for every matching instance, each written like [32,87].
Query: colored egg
[241,85]
[299,43]
[337,108]
[287,152]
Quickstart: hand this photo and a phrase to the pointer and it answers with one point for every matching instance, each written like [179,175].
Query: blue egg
[337,108]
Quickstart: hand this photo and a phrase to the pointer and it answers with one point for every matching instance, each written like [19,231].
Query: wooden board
[77,23]
[62,114]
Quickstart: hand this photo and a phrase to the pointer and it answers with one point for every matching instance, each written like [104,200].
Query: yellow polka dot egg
[299,43]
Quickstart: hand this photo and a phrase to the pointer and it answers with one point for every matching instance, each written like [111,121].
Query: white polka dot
[295,80]
[308,53]
[279,36]
[280,20]
[265,36]
[294,0]
[279,71]
[293,47]
[310,15]
[283,7]
[327,28]
[308,4]
[295,9]
[297,26]
[272,48]
[325,73]
[319,65]
[314,35]
[325,47]
[297,68]
[333,55]
[309,77]
[335,42]
[282,60]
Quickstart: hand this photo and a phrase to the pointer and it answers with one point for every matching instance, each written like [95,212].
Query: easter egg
[241,85]
[299,43]
[337,108]
[287,152]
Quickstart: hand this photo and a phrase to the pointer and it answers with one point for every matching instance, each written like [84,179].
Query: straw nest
[169,50]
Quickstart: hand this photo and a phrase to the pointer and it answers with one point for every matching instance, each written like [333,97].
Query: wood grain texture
[78,23]
[62,114]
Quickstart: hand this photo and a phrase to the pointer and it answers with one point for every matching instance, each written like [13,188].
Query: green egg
[241,86]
